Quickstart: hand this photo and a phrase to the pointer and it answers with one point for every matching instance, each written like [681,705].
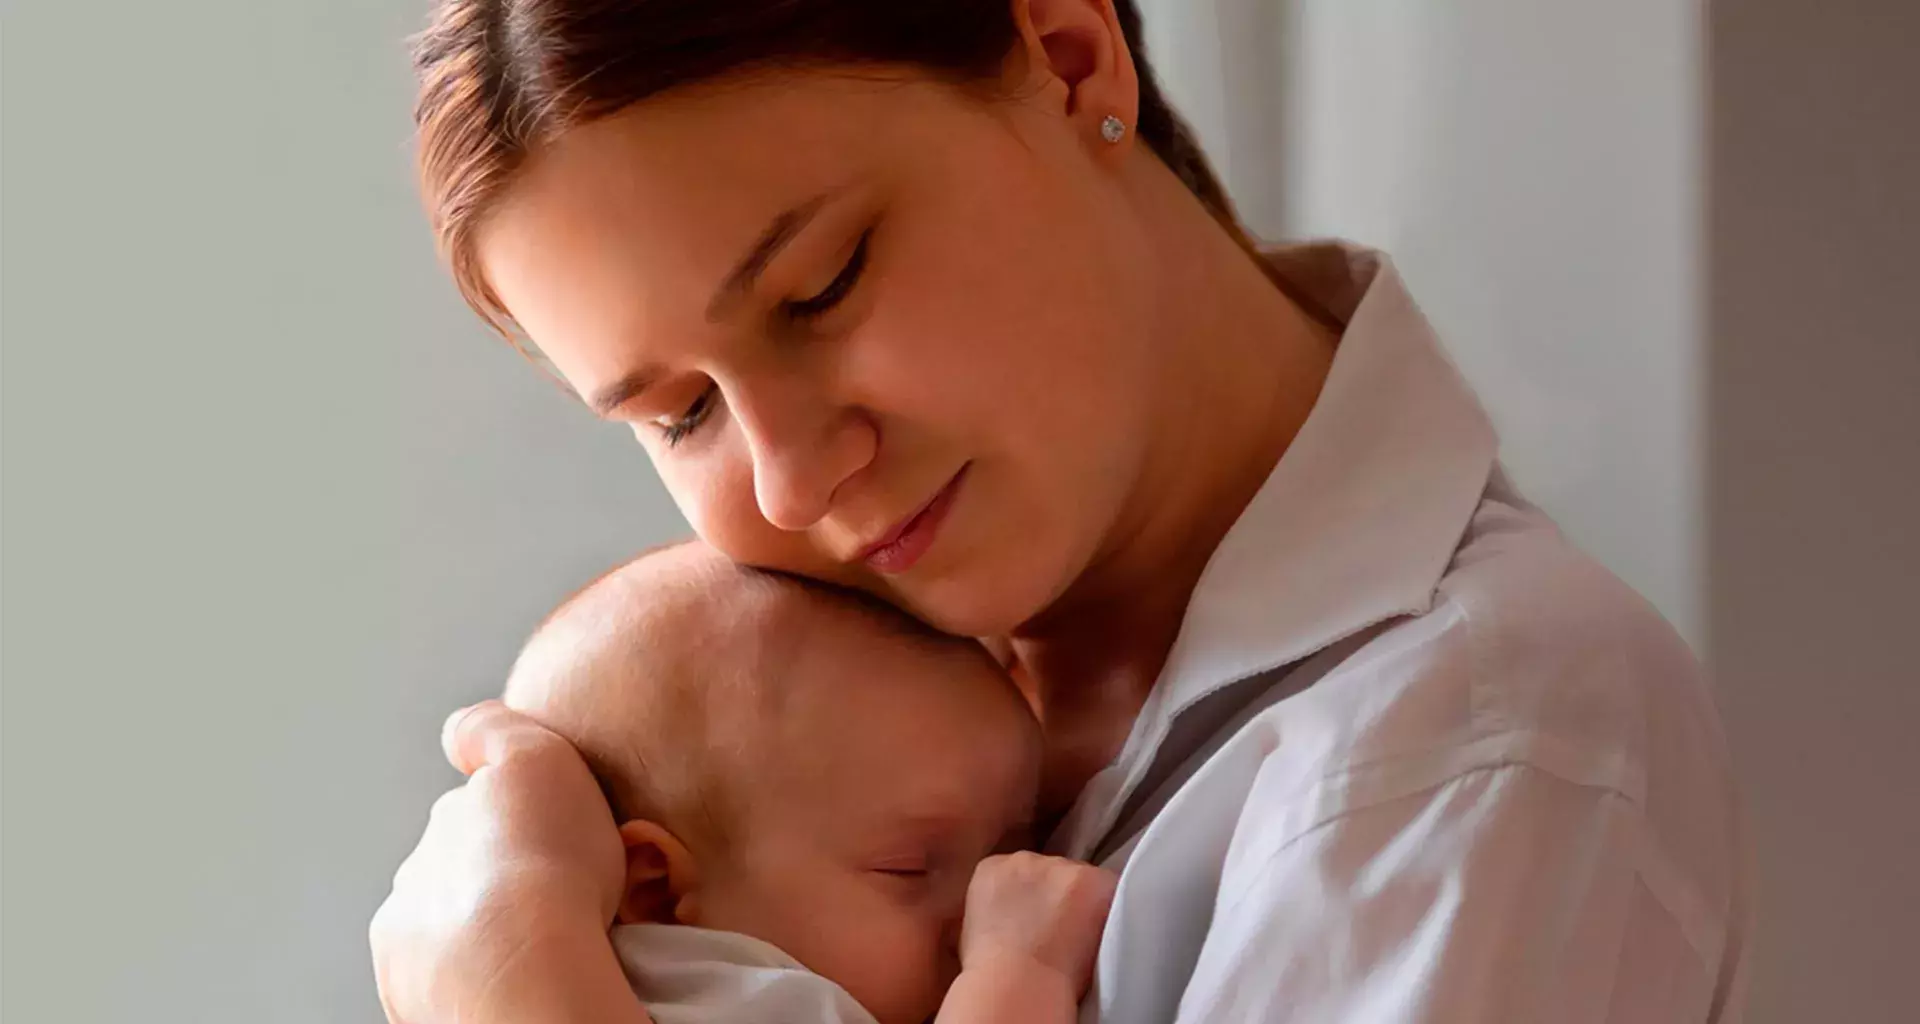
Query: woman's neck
[1241,367]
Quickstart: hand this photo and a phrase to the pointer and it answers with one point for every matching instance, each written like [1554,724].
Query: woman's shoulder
[1559,643]
[1534,658]
[1531,649]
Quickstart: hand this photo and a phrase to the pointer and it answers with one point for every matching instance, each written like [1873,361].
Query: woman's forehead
[656,204]
[677,183]
[790,131]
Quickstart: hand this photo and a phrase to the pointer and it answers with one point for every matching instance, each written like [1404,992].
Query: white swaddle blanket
[686,975]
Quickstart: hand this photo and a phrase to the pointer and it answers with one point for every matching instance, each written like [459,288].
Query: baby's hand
[1025,907]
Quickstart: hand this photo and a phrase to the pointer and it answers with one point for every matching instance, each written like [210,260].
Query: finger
[445,806]
[432,838]
[487,732]
[1108,890]
[377,943]
[387,1007]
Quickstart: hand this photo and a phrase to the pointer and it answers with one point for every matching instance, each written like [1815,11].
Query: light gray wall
[274,504]
[1532,168]
[1814,401]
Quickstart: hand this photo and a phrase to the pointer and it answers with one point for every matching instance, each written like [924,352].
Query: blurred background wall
[274,503]
[1813,485]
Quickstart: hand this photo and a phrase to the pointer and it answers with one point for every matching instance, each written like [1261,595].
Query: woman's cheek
[714,490]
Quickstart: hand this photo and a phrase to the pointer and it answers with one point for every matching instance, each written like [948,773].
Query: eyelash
[809,308]
[690,420]
[837,290]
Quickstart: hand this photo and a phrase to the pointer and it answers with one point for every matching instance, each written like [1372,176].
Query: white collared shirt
[1413,757]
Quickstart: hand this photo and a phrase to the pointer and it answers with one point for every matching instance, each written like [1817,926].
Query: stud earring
[1113,129]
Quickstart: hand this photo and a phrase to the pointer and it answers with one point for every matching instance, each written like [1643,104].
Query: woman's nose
[803,448]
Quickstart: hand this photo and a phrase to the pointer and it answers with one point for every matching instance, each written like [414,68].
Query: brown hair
[499,77]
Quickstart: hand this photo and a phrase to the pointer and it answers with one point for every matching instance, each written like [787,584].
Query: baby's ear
[661,877]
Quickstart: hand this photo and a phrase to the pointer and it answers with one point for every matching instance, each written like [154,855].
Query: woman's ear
[1081,45]
[661,877]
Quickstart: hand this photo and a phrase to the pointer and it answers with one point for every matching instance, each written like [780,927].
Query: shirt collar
[1355,525]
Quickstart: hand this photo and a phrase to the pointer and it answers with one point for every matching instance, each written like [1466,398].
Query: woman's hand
[501,912]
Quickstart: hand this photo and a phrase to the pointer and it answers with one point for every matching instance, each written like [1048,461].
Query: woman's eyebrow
[782,230]
[609,399]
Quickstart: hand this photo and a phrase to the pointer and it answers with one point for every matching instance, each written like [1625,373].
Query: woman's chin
[984,604]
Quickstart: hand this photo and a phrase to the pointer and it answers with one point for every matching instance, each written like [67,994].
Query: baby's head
[792,762]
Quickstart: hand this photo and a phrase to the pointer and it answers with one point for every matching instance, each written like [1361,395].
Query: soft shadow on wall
[1814,486]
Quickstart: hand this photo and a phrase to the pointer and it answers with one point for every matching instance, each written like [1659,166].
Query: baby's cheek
[896,965]
[895,958]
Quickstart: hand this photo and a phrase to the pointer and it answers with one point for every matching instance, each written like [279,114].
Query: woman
[939,300]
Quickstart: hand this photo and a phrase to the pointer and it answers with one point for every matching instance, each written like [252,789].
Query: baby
[811,784]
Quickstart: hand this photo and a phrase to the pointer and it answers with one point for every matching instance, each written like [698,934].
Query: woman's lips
[902,547]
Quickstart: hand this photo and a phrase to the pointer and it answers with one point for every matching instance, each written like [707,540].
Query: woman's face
[881,333]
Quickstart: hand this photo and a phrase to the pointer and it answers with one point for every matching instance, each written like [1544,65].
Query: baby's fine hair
[696,645]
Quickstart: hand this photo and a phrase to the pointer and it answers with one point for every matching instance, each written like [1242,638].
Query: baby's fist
[1048,910]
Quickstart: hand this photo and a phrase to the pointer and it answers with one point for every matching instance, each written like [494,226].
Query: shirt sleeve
[1503,893]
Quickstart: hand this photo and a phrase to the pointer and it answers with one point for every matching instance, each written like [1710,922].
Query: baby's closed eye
[903,872]
[906,861]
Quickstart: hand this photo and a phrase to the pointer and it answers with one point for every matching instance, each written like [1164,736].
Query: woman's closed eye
[677,429]
[836,291]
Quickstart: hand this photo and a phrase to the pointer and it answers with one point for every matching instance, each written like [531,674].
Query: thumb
[488,732]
